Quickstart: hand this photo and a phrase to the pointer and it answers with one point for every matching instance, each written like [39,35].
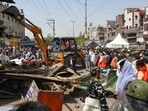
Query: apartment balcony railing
[132,30]
[146,20]
[141,21]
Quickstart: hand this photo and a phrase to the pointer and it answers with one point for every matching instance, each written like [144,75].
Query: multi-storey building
[94,37]
[101,34]
[133,17]
[120,21]
[111,29]
[145,27]
[13,31]
[120,24]
[133,24]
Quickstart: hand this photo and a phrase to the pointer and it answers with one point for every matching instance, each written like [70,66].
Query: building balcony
[131,37]
[145,32]
[132,30]
[146,19]
[145,36]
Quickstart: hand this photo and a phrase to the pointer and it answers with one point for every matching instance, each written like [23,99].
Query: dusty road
[72,101]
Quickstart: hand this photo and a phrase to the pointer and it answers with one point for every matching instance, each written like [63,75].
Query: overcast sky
[64,12]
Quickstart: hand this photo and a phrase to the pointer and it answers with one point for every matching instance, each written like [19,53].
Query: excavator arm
[37,32]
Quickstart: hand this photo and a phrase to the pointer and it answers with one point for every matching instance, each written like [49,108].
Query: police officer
[96,99]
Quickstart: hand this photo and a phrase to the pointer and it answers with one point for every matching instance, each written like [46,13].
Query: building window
[16,34]
[136,17]
[136,25]
[129,19]
[146,27]
[3,15]
[19,34]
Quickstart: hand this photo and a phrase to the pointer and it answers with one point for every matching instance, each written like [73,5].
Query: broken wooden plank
[32,77]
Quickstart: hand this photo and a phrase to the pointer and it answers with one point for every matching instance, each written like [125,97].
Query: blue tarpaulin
[28,43]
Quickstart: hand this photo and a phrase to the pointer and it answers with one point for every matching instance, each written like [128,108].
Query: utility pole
[86,36]
[53,21]
[73,26]
[85,16]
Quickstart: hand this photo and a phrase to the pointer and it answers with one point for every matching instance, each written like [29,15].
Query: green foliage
[80,41]
[1,22]
[48,39]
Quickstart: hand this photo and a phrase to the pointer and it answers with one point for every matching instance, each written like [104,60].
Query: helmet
[138,89]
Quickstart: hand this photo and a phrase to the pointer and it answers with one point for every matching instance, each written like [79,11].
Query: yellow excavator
[37,32]
[61,55]
[59,76]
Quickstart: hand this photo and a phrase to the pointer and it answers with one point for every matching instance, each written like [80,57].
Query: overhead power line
[39,8]
[70,9]
[48,12]
[65,10]
[96,8]
[80,10]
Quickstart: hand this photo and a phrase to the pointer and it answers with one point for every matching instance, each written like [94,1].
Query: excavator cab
[65,44]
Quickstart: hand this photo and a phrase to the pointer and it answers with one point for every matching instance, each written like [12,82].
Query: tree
[80,40]
[48,39]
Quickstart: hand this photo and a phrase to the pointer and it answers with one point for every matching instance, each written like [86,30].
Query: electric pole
[53,21]
[86,36]
[73,26]
[85,16]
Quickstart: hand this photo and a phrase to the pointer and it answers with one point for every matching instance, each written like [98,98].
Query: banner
[32,93]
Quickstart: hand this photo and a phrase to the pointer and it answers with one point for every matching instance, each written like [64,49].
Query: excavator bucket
[12,11]
[8,1]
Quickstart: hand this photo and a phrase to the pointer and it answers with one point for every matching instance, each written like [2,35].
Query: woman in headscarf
[126,74]
[131,92]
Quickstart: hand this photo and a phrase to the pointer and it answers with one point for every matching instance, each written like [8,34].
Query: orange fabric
[102,64]
[114,62]
[145,72]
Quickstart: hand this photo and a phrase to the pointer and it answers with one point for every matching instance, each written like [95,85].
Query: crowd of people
[107,58]
[27,53]
[132,79]
[132,72]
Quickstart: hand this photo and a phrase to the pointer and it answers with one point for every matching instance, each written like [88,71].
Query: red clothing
[102,63]
[114,62]
[145,72]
